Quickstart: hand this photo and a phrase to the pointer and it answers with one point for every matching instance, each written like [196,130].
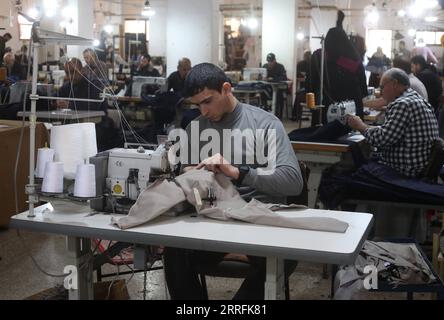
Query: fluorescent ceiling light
[300,36]
[401,13]
[431,19]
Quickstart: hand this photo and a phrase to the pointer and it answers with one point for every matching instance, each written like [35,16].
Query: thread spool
[310,100]
[85,184]
[44,155]
[53,178]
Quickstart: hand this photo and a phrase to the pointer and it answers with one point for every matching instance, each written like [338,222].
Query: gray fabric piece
[163,195]
[405,257]
[160,197]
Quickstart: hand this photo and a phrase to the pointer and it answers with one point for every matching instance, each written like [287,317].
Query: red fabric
[348,64]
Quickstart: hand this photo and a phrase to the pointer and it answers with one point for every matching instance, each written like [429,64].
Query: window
[25,28]
[138,27]
[430,37]
[379,38]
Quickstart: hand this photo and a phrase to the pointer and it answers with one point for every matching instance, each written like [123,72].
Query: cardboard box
[9,143]
[102,291]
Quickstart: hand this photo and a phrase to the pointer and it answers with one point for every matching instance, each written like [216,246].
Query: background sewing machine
[154,83]
[254,74]
[122,174]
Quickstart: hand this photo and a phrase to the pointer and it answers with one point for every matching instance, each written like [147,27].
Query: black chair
[238,266]
[434,168]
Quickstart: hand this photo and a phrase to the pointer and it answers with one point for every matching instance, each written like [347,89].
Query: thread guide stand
[41,38]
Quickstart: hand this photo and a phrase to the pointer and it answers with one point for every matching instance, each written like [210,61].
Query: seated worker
[176,80]
[429,78]
[76,85]
[15,71]
[176,83]
[415,84]
[276,72]
[405,139]
[95,69]
[210,89]
[145,68]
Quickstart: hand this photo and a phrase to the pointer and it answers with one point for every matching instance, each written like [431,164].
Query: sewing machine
[139,82]
[122,174]
[339,111]
[254,74]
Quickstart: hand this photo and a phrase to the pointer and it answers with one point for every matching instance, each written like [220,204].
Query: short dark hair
[402,64]
[7,34]
[146,55]
[204,75]
[399,75]
[271,57]
[419,60]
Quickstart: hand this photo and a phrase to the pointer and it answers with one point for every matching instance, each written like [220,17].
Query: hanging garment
[216,197]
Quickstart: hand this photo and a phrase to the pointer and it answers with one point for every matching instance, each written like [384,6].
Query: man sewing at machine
[209,88]
[403,145]
[405,139]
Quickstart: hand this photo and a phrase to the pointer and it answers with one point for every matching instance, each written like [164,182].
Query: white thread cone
[53,179]
[85,184]
[44,155]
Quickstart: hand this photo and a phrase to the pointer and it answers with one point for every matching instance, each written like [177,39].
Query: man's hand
[356,123]
[218,164]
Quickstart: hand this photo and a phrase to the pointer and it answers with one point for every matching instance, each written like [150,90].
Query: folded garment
[397,264]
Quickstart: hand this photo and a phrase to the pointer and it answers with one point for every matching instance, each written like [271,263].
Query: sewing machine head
[123,173]
[338,111]
[154,83]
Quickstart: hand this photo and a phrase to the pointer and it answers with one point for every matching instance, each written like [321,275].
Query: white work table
[203,233]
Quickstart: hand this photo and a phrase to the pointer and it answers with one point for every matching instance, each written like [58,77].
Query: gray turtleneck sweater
[284,178]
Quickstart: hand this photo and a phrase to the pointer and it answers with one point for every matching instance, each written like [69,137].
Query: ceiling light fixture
[147,10]
[431,19]
[373,16]
[108,28]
